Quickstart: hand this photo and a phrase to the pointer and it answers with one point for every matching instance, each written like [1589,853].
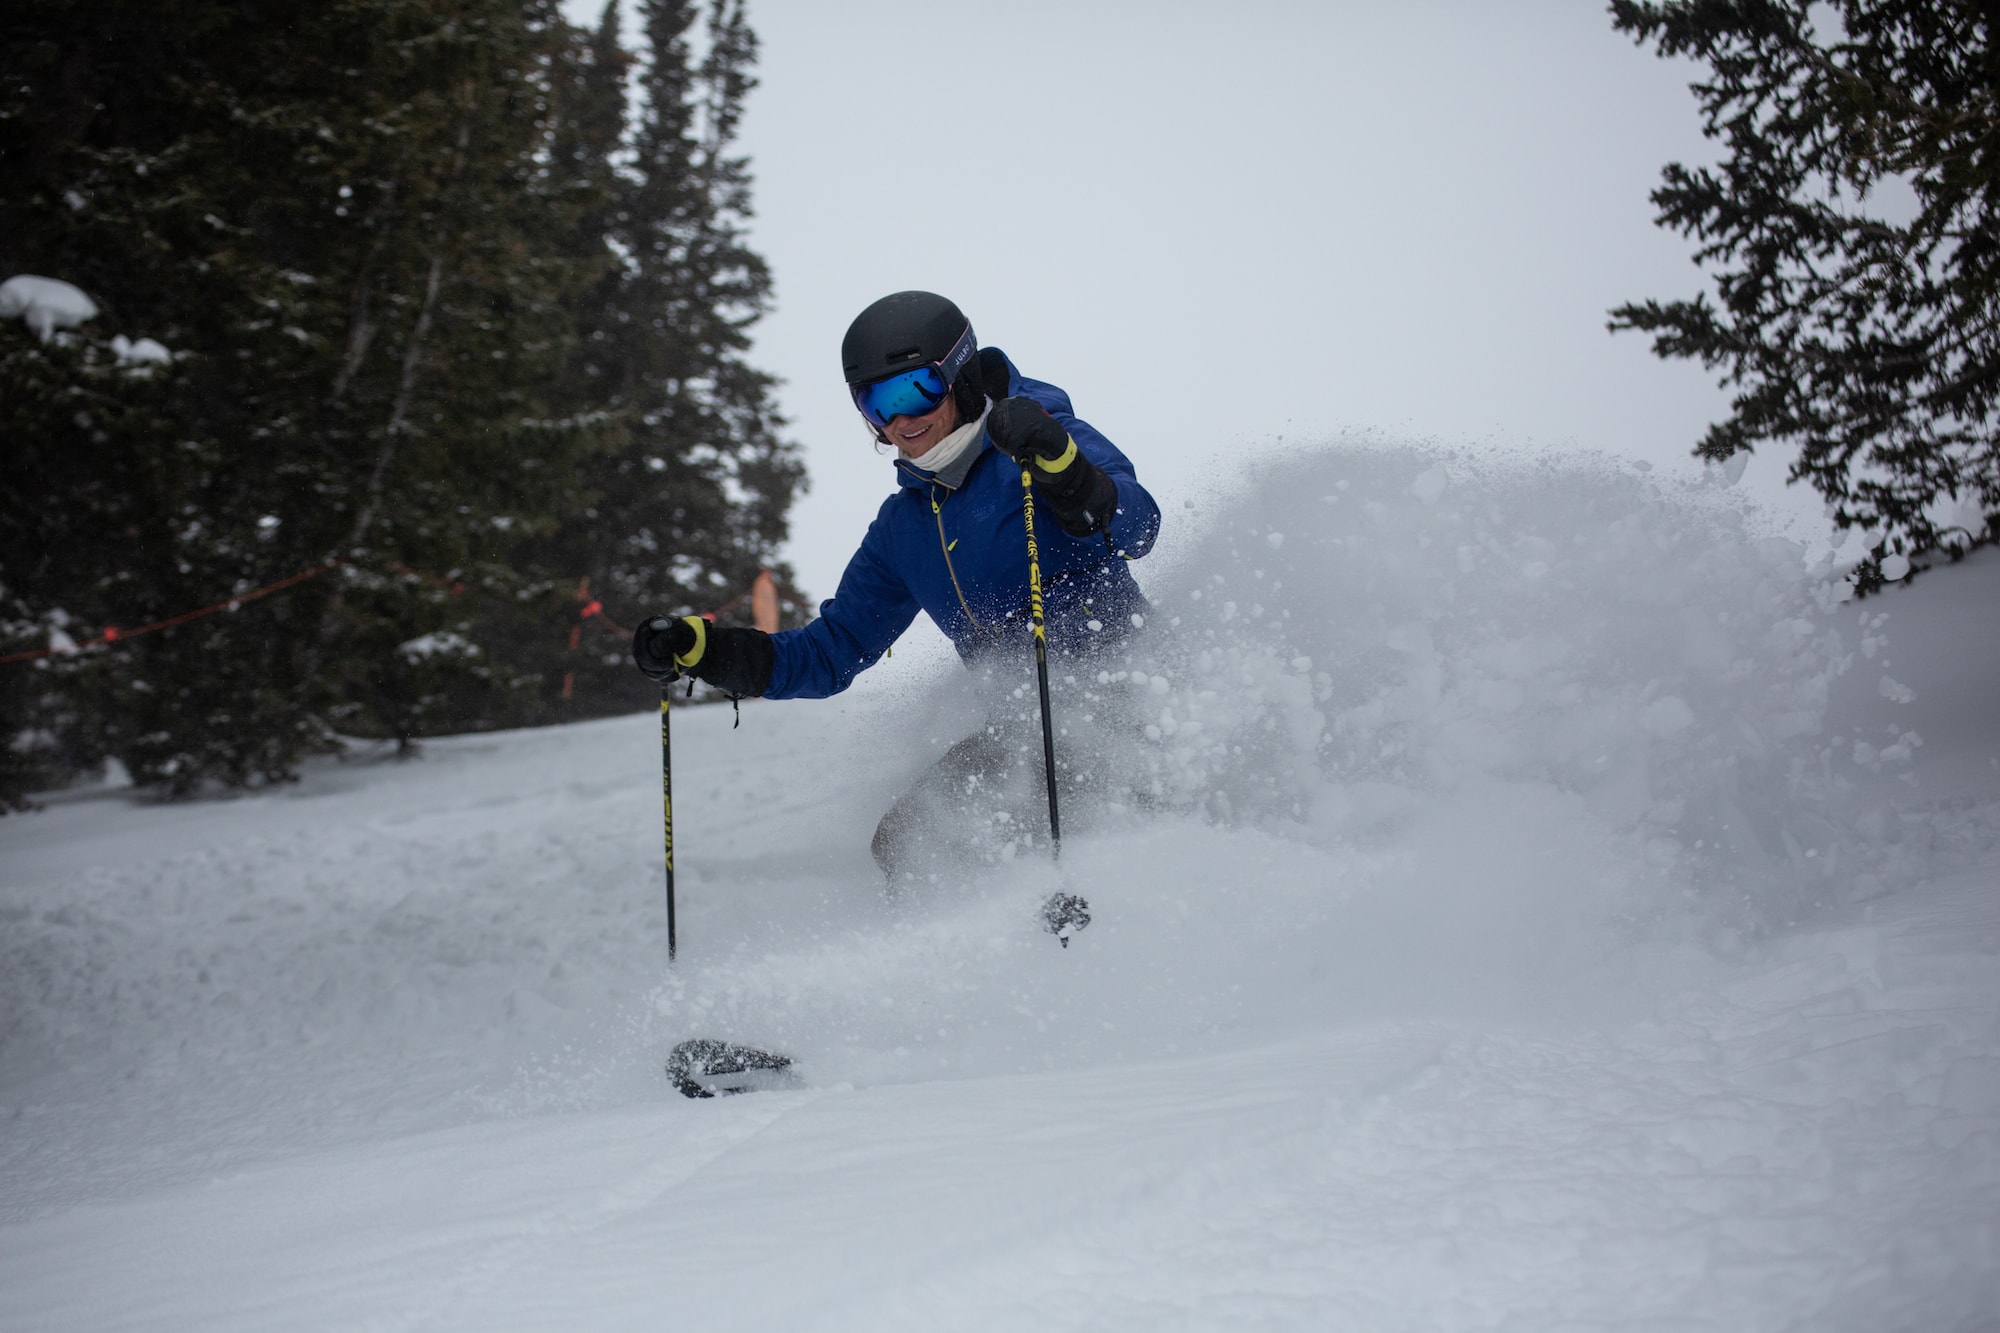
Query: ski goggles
[913,393]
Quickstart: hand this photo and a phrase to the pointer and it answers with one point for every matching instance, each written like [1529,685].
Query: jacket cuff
[1083,498]
[740,662]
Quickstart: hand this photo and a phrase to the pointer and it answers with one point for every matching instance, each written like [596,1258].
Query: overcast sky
[1221,225]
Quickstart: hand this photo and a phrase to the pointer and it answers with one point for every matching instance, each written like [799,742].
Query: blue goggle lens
[914,393]
[910,394]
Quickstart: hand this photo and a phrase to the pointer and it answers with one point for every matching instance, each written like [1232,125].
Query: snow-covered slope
[1551,907]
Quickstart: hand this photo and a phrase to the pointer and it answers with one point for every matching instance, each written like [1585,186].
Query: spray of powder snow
[1410,734]
[1381,629]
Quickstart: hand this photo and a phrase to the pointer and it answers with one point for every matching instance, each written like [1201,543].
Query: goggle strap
[960,353]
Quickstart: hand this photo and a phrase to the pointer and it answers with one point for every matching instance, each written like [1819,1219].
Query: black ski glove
[1078,492]
[736,661]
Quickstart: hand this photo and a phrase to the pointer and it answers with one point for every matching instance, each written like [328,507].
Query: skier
[951,541]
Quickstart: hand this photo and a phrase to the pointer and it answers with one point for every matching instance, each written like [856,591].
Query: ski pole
[667,784]
[1065,913]
[1041,661]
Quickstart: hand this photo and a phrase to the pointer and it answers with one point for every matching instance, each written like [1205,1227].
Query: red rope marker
[112,634]
[762,595]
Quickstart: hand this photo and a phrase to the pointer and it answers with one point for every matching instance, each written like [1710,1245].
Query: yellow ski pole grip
[1060,463]
[700,642]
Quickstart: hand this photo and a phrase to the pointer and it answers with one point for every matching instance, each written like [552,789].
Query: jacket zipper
[945,547]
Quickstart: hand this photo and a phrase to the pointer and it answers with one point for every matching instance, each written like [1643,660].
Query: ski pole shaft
[1041,660]
[667,785]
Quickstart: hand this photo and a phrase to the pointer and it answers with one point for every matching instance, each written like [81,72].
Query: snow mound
[48,305]
[1395,1012]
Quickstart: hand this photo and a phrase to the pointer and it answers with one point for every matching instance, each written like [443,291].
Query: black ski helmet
[902,330]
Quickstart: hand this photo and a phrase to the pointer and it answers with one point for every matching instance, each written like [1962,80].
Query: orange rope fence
[592,609]
[112,634]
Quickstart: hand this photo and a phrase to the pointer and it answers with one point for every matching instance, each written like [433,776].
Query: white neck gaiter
[948,450]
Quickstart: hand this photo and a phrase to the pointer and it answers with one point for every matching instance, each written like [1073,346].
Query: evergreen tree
[136,152]
[441,416]
[334,221]
[692,503]
[1870,343]
[445,341]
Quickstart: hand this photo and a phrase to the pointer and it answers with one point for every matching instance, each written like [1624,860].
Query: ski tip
[705,1067]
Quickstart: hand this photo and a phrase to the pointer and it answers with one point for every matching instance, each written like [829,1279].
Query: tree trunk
[399,412]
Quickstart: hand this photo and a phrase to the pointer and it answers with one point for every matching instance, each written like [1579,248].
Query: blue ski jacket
[961,555]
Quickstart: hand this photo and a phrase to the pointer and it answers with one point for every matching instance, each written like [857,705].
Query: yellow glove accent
[1059,464]
[700,642]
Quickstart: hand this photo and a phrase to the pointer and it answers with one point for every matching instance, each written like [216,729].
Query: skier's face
[917,436]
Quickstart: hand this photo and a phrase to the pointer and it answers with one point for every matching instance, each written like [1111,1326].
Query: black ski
[705,1067]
